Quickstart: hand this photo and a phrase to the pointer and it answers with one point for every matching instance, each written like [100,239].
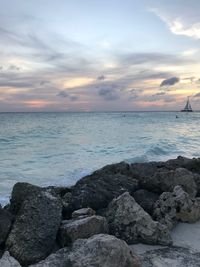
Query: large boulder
[6,219]
[98,189]
[20,192]
[34,231]
[146,199]
[102,250]
[165,181]
[71,230]
[128,221]
[176,206]
[57,259]
[8,261]
[23,190]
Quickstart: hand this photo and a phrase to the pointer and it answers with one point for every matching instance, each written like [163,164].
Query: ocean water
[60,148]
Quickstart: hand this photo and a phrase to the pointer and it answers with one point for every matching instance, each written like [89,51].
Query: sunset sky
[90,55]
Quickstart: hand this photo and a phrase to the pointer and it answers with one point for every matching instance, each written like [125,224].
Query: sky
[108,55]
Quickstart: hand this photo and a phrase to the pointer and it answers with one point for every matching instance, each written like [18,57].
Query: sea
[60,148]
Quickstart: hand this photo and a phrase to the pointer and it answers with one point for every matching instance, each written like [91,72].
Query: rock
[192,165]
[5,224]
[98,189]
[165,181]
[176,206]
[71,230]
[171,257]
[102,250]
[58,259]
[146,199]
[34,231]
[19,193]
[85,212]
[128,221]
[23,190]
[8,261]
[145,170]
[57,190]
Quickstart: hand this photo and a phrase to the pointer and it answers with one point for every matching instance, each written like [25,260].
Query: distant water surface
[59,148]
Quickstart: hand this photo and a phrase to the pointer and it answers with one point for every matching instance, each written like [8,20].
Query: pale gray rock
[58,259]
[8,261]
[128,221]
[171,257]
[70,230]
[34,231]
[102,250]
[84,212]
[165,181]
[176,206]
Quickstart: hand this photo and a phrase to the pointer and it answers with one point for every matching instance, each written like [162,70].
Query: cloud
[64,94]
[101,78]
[159,94]
[169,82]
[178,24]
[133,59]
[108,94]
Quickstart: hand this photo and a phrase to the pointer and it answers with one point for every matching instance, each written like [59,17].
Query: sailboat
[187,107]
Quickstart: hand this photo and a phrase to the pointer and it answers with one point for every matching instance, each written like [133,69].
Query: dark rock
[165,181]
[85,212]
[35,228]
[146,199]
[57,190]
[102,250]
[19,193]
[8,261]
[71,230]
[6,219]
[145,170]
[128,221]
[192,165]
[176,206]
[98,189]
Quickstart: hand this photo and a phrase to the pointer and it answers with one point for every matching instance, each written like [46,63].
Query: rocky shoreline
[99,221]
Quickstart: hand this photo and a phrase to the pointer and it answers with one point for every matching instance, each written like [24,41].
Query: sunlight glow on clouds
[65,56]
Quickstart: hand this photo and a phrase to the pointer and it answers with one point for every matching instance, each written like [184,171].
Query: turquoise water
[59,148]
